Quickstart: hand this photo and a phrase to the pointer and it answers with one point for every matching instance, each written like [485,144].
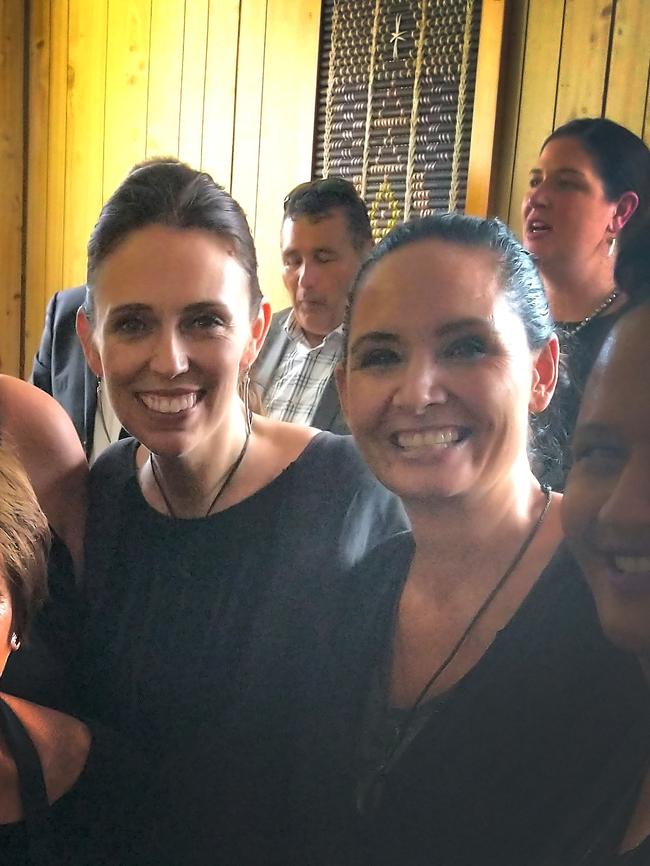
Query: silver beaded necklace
[609,300]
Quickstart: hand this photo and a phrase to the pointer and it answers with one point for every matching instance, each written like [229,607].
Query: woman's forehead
[429,278]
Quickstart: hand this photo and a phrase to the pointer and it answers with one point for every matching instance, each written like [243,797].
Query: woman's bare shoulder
[62,743]
[46,442]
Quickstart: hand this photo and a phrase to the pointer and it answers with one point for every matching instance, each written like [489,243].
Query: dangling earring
[612,246]
[14,643]
[246,387]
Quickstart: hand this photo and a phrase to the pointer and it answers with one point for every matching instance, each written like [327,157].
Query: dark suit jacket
[60,366]
[328,414]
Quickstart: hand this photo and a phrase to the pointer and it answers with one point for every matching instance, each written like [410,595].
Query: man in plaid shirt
[325,236]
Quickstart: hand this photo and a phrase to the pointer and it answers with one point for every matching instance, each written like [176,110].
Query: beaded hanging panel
[395,98]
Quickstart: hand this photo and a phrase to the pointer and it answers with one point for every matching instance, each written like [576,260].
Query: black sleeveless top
[92,824]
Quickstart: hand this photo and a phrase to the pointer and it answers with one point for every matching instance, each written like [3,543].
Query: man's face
[319,264]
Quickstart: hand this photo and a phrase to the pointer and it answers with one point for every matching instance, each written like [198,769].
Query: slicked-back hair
[621,160]
[522,287]
[166,192]
[521,282]
[632,270]
[317,199]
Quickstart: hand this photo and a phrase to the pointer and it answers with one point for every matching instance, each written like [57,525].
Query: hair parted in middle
[164,191]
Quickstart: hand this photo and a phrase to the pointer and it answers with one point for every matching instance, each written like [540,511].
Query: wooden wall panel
[583,66]
[288,102]
[37,168]
[84,150]
[125,99]
[627,86]
[228,85]
[248,116]
[538,92]
[54,192]
[580,58]
[220,90]
[508,118]
[165,69]
[11,164]
[195,37]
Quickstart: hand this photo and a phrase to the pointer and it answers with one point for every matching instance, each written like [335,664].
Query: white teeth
[429,438]
[169,405]
[632,564]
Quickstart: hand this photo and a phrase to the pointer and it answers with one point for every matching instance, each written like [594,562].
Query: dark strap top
[33,794]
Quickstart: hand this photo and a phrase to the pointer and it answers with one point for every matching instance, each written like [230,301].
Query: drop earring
[14,643]
[612,246]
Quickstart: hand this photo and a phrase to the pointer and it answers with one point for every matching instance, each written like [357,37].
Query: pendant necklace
[571,331]
[155,471]
[402,730]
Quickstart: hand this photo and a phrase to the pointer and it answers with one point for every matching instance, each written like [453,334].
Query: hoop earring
[612,246]
[14,643]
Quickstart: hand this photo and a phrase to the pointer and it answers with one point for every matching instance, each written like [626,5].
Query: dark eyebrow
[386,337]
[563,170]
[129,308]
[374,337]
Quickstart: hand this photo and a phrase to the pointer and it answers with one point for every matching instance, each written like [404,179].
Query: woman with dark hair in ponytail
[213,532]
[587,191]
[471,696]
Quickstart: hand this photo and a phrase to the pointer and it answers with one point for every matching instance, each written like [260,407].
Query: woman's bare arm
[46,442]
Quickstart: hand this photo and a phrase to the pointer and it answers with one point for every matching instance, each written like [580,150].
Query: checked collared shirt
[302,374]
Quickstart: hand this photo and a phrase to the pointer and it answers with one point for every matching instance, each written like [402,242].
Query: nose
[629,501]
[307,275]
[420,386]
[537,196]
[169,357]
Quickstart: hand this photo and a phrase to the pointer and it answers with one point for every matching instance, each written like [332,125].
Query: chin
[626,626]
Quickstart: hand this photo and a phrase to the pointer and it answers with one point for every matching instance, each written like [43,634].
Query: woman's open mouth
[436,437]
[171,404]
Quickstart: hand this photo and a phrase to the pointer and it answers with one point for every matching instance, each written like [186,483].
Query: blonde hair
[24,542]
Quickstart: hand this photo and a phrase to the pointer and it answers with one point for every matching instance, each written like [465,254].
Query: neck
[457,533]
[190,481]
[576,291]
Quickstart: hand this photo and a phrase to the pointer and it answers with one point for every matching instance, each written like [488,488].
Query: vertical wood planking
[287,126]
[36,286]
[646,122]
[507,126]
[193,81]
[57,149]
[127,73]
[482,154]
[220,89]
[11,198]
[627,83]
[583,66]
[248,105]
[85,131]
[538,92]
[165,72]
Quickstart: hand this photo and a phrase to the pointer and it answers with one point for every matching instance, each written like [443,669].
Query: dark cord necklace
[155,471]
[403,729]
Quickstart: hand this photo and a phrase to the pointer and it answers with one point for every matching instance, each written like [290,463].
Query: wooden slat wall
[228,85]
[11,171]
[566,59]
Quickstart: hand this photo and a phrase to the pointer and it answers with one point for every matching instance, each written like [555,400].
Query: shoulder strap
[33,793]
